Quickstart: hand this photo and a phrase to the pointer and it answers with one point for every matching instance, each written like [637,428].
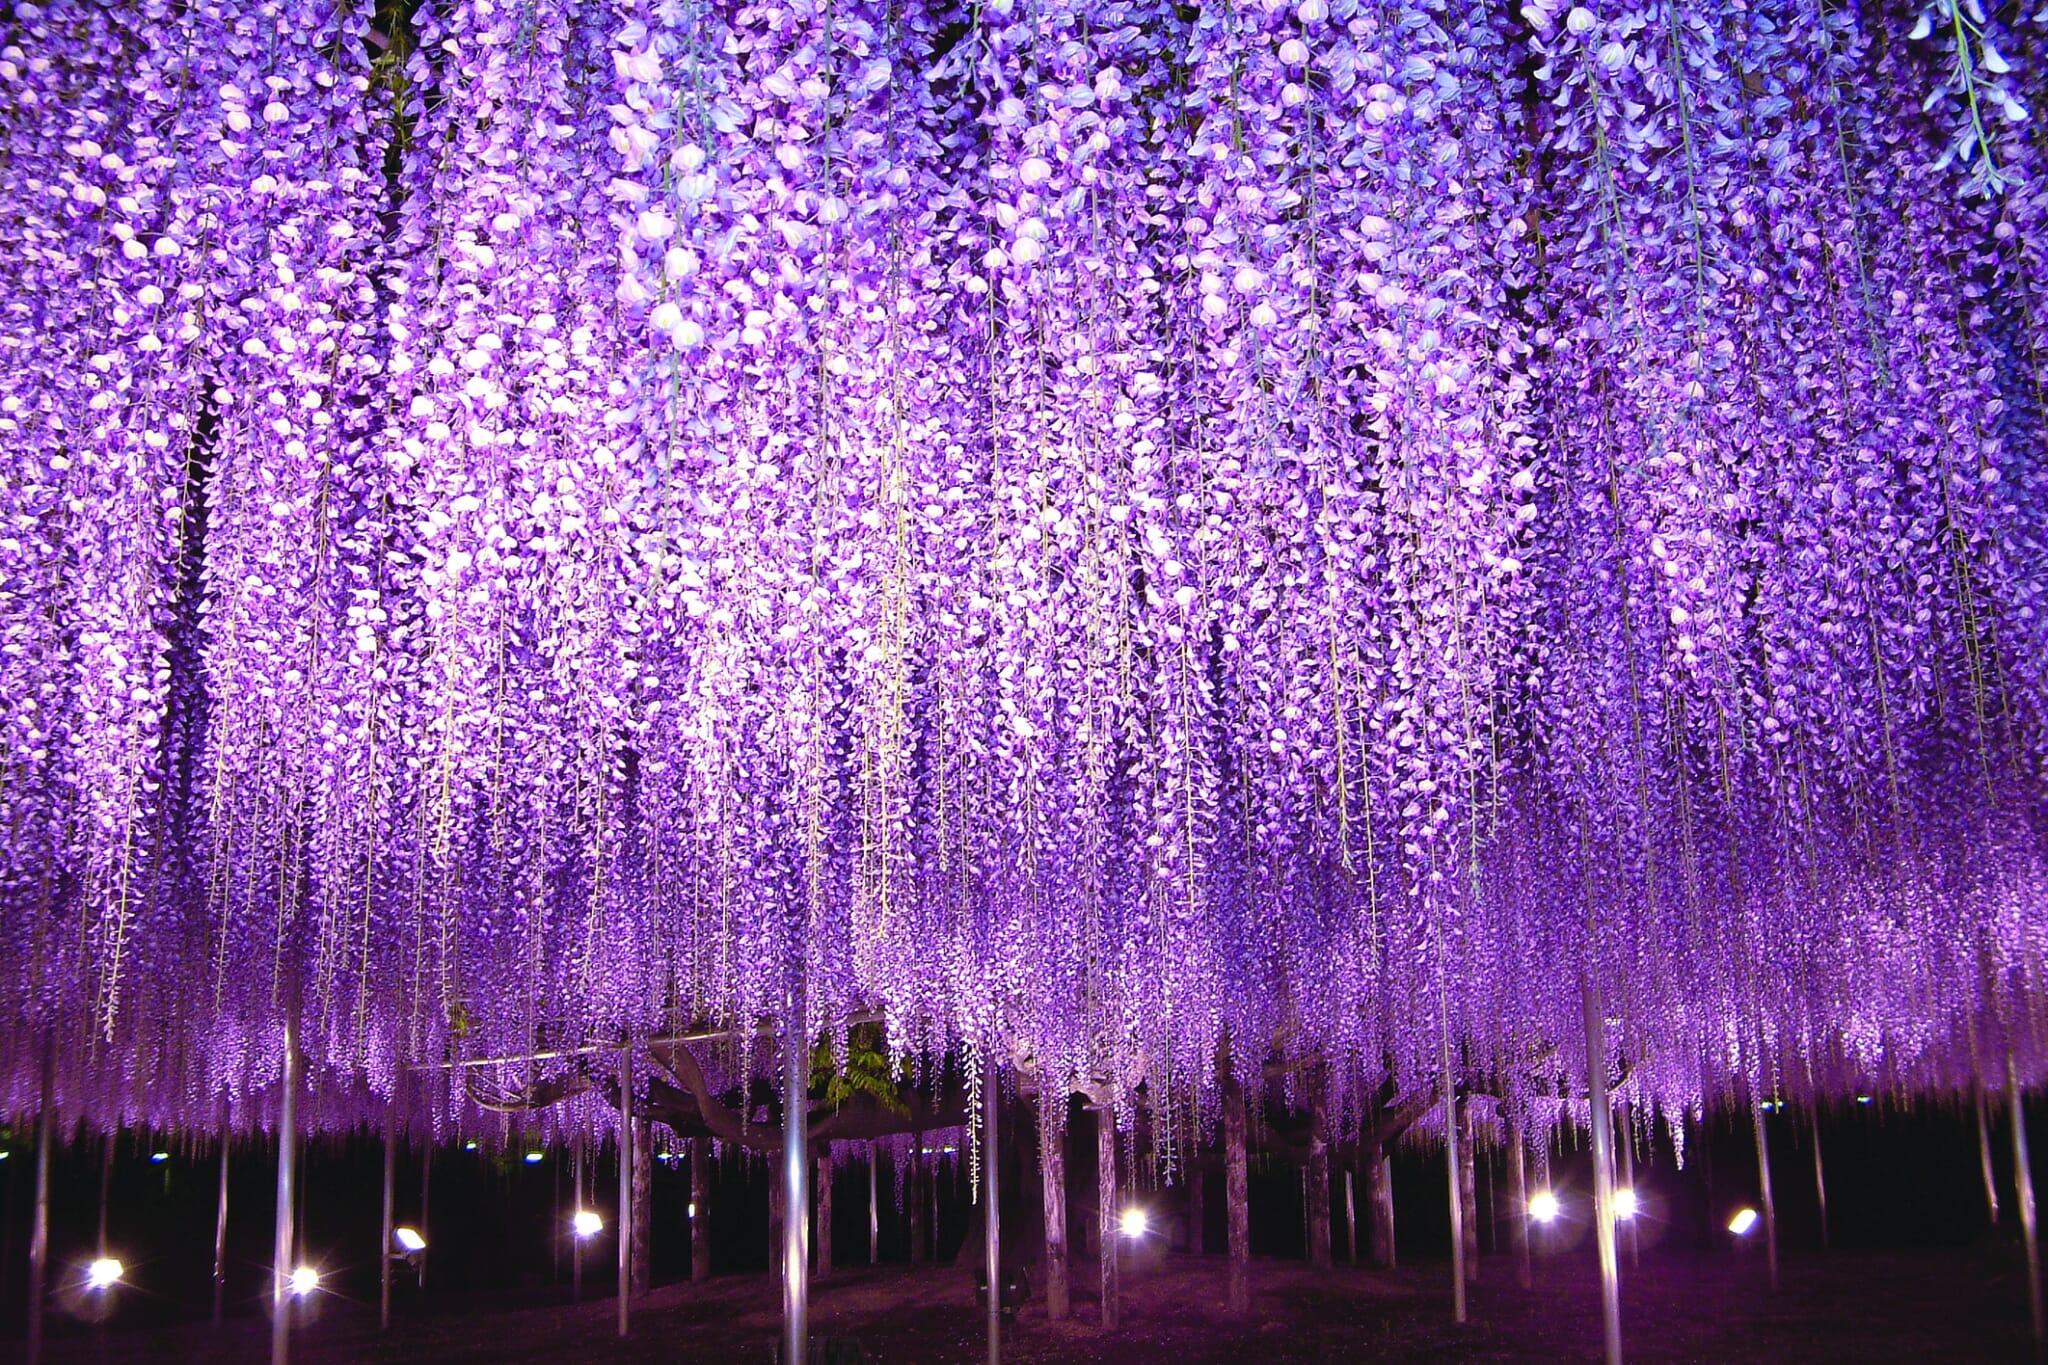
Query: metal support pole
[390,1211]
[39,1228]
[1820,1176]
[874,1205]
[1603,1171]
[287,1144]
[2023,1192]
[991,1192]
[796,1176]
[625,1228]
[220,1224]
[1763,1179]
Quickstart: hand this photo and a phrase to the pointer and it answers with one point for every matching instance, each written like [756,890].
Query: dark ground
[1955,1304]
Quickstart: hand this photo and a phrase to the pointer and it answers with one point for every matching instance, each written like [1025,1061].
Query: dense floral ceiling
[1094,528]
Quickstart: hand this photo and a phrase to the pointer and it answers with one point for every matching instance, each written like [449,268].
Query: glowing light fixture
[305,1280]
[409,1240]
[586,1223]
[1543,1206]
[469,1146]
[534,1158]
[693,1208]
[159,1158]
[1625,1205]
[1134,1223]
[1863,1099]
[1742,1222]
[103,1273]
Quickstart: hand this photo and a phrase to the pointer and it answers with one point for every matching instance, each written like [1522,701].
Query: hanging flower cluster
[1114,534]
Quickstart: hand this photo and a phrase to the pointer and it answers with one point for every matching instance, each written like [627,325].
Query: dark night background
[1897,1176]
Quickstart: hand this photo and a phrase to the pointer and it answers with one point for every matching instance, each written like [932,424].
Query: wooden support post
[220,1223]
[1763,1179]
[1319,1182]
[390,1212]
[1820,1176]
[1236,1200]
[776,1217]
[575,1238]
[1106,1211]
[700,1209]
[1984,1153]
[1628,1180]
[1350,1217]
[2023,1196]
[913,1198]
[823,1255]
[1052,1169]
[1468,1188]
[1379,1208]
[39,1225]
[1518,1199]
[426,1188]
[643,1207]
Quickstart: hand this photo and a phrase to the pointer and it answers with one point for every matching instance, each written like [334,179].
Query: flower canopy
[1103,532]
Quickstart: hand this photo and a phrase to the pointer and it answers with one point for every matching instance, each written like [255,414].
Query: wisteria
[1104,534]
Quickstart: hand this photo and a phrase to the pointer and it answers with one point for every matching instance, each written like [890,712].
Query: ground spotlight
[1134,1223]
[1543,1207]
[159,1158]
[1742,1222]
[305,1280]
[586,1223]
[104,1273]
[409,1241]
[534,1158]
[469,1146]
[1625,1204]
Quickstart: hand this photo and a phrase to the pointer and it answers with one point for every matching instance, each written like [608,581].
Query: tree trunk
[1106,1212]
[1379,1198]
[1318,1185]
[1468,1189]
[1518,1201]
[823,1256]
[1052,1166]
[1195,1214]
[643,1206]
[1236,1199]
[700,1204]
